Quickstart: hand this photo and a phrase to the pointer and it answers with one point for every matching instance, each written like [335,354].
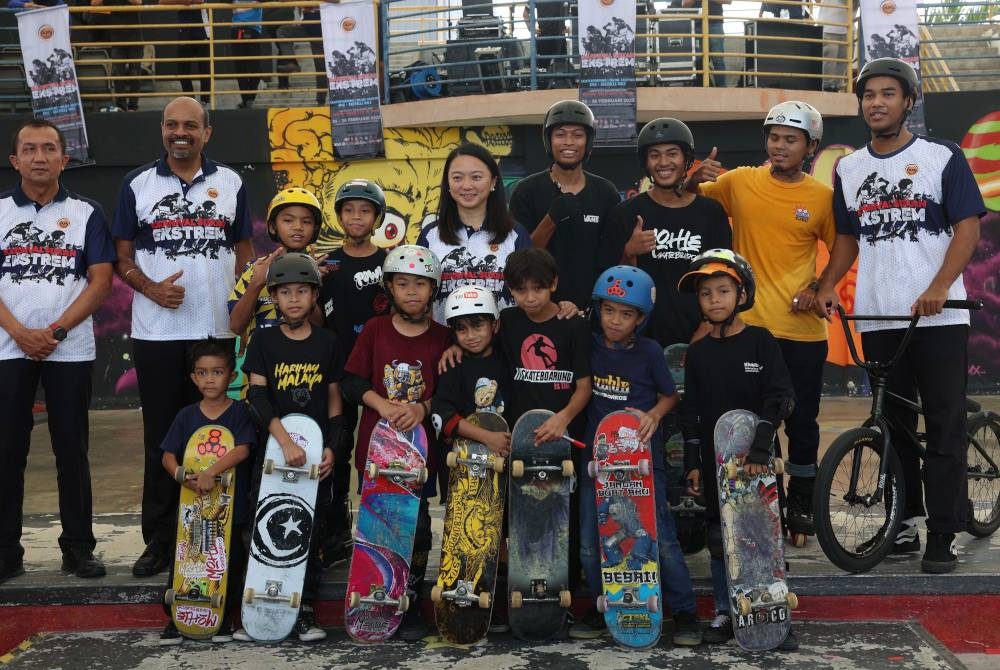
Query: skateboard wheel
[653,604]
[248,596]
[179,474]
[451,460]
[602,604]
[565,599]
[799,539]
[498,464]
[643,465]
[226,479]
[314,471]
[371,470]
[268,466]
[516,599]
[404,603]
[215,601]
[731,470]
[517,468]
[168,596]
[778,466]
[422,476]
[354,599]
[792,600]
[436,590]
[743,605]
[592,469]
[485,600]
[567,468]
[295,601]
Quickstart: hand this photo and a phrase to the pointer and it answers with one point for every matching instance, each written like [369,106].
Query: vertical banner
[889,29]
[349,51]
[51,74]
[607,68]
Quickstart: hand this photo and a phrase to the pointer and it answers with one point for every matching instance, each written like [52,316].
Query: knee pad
[715,540]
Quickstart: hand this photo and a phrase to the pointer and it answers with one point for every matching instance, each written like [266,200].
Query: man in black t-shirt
[564,207]
[661,230]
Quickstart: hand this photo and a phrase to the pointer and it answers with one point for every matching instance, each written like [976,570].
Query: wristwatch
[58,332]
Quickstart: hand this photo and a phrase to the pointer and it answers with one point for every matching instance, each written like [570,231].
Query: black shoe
[336,550]
[306,627]
[790,643]
[170,635]
[81,562]
[941,555]
[288,67]
[225,632]
[720,630]
[800,511]
[591,626]
[413,627]
[907,541]
[154,560]
[687,630]
[10,568]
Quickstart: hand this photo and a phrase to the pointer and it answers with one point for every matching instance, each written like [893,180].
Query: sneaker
[306,627]
[413,627]
[498,626]
[687,631]
[225,632]
[790,643]
[10,568]
[154,560]
[799,503]
[241,635]
[170,635]
[720,630]
[907,540]
[941,555]
[591,626]
[81,562]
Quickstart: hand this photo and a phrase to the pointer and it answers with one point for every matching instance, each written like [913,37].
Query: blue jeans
[717,51]
[674,578]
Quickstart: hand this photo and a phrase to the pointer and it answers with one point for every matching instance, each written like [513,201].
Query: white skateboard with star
[280,534]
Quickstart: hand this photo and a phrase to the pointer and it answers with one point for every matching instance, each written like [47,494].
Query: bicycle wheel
[984,477]
[854,531]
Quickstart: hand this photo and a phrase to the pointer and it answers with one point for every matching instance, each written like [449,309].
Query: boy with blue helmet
[629,371]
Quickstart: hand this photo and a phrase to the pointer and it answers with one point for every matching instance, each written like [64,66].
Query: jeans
[805,361]
[674,577]
[717,52]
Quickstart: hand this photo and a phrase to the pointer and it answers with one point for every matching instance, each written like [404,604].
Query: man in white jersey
[182,232]
[56,259]
[908,209]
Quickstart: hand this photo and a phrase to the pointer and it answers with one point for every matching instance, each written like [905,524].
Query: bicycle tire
[843,527]
[983,477]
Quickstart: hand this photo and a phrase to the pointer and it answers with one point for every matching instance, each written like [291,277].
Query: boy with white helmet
[779,214]
[393,372]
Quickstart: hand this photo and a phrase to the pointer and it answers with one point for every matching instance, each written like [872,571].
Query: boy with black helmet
[660,230]
[295,367]
[392,370]
[736,366]
[629,371]
[352,293]
[915,204]
[565,208]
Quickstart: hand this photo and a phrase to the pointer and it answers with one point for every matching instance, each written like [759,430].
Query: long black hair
[498,219]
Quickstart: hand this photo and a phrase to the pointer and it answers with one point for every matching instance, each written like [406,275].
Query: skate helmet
[468,301]
[888,67]
[361,189]
[291,268]
[716,262]
[795,114]
[666,130]
[295,195]
[563,113]
[626,285]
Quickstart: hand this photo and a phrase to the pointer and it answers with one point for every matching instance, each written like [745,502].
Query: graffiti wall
[280,147]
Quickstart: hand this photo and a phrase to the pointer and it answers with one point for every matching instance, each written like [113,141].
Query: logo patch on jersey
[63,223]
[801,214]
[752,367]
[461,267]
[31,254]
[403,381]
[213,193]
[892,211]
[681,244]
[538,358]
[612,387]
[181,228]
[912,169]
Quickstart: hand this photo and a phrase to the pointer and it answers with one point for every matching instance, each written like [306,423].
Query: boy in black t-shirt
[351,294]
[735,366]
[213,369]
[296,368]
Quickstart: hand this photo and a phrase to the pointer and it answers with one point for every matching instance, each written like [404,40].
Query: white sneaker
[241,635]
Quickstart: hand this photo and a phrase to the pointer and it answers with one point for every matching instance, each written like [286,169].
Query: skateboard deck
[622,470]
[470,544]
[760,602]
[541,478]
[281,534]
[387,523]
[197,594]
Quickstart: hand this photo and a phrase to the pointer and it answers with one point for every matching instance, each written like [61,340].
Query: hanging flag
[889,29]
[349,52]
[607,68]
[51,74]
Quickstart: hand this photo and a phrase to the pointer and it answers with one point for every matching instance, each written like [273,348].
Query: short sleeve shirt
[477,384]
[352,294]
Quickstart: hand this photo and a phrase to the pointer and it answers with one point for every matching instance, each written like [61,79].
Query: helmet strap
[293,325]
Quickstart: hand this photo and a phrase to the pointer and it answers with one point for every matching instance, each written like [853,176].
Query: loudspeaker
[770,55]
[678,49]
[475,67]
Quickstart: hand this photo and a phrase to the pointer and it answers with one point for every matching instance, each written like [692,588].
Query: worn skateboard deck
[387,523]
[622,470]
[470,544]
[197,595]
[281,533]
[538,546]
[751,538]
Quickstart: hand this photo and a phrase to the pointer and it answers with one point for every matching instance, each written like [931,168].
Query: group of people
[485,313]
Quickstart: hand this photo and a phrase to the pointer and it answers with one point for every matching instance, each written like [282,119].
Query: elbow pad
[354,387]
[692,455]
[260,406]
[334,428]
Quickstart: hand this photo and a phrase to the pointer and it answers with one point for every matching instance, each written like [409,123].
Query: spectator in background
[305,26]
[550,30]
[269,30]
[247,15]
[716,40]
[784,10]
[833,16]
[125,89]
[193,29]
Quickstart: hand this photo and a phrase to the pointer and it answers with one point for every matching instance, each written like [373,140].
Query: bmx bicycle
[859,492]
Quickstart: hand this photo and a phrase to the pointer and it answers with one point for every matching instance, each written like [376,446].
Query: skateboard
[760,601]
[197,594]
[281,534]
[622,470]
[541,478]
[470,544]
[387,523]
